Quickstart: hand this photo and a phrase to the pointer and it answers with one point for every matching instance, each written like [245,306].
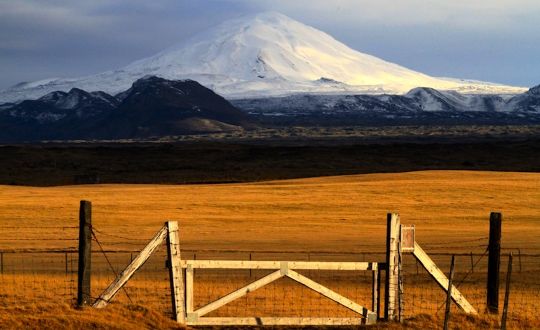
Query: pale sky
[490,40]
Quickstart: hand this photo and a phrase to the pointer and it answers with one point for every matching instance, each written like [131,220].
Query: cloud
[74,37]
[471,14]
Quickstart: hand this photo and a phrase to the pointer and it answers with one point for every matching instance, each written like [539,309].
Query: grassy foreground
[341,214]
[61,316]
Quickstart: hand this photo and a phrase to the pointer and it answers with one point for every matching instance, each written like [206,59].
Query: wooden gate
[281,269]
[400,239]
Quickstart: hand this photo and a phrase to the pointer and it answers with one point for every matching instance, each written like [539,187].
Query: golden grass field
[345,213]
[334,214]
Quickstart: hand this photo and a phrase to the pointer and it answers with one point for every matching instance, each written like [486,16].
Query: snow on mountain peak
[263,55]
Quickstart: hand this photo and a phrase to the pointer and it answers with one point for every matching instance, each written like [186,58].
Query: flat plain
[338,214]
[335,214]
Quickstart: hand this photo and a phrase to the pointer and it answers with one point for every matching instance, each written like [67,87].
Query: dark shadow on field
[221,162]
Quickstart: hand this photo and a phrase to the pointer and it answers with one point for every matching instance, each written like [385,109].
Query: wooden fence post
[507,292]
[391,308]
[375,292]
[449,295]
[494,261]
[85,251]
[175,272]
[379,272]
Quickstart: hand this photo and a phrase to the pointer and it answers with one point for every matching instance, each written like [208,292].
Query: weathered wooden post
[175,272]
[391,310]
[507,292]
[375,292]
[494,261]
[379,272]
[400,281]
[85,251]
[449,295]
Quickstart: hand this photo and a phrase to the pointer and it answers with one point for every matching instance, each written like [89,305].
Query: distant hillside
[151,107]
[421,105]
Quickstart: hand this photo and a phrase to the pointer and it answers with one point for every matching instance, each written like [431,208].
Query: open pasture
[328,218]
[337,214]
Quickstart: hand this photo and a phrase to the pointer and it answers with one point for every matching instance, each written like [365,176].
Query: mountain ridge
[151,107]
[156,107]
[421,105]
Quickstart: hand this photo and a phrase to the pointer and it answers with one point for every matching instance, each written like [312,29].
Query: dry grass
[345,213]
[52,315]
[339,214]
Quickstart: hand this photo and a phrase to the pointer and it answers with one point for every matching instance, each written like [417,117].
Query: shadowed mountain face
[421,105]
[57,115]
[529,101]
[151,107]
[155,107]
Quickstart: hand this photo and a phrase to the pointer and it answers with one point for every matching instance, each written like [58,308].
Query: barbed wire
[150,287]
[123,243]
[470,271]
[444,243]
[121,237]
[108,261]
[39,227]
[39,239]
[456,247]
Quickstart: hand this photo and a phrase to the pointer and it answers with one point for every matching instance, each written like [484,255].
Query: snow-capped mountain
[267,54]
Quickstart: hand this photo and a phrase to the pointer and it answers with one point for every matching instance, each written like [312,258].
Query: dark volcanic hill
[155,107]
[151,107]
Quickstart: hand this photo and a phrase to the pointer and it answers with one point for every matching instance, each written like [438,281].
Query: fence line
[51,273]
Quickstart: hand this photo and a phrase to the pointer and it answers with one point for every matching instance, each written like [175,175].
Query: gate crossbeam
[235,295]
[284,270]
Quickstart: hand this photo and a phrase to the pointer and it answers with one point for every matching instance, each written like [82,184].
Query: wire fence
[51,274]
